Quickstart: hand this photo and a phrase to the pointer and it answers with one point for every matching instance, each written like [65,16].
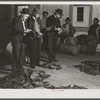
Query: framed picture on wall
[19,8]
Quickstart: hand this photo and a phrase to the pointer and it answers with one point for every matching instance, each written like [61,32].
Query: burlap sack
[9,48]
[70,49]
[71,41]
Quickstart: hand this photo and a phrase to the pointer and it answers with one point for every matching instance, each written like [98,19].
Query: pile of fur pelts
[70,46]
[65,87]
[27,79]
[51,66]
[90,67]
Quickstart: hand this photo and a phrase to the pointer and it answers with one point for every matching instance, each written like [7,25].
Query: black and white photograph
[50,46]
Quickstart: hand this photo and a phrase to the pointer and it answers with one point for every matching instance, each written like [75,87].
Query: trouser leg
[50,47]
[61,41]
[22,56]
[93,46]
[43,46]
[15,56]
[38,51]
[32,52]
[54,47]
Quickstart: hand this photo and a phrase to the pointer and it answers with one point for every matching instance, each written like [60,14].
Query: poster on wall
[20,7]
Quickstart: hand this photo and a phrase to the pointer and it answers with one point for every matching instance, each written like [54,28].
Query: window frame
[80,14]
[85,22]
[18,9]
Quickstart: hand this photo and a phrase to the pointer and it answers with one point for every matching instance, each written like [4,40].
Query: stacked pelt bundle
[26,79]
[29,79]
[90,67]
[51,66]
[65,87]
[70,46]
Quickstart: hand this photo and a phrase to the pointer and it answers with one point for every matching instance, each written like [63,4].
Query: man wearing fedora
[53,27]
[92,36]
[19,30]
[35,40]
[68,30]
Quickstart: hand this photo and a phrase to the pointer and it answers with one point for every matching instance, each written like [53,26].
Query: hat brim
[96,20]
[67,19]
[59,12]
[24,12]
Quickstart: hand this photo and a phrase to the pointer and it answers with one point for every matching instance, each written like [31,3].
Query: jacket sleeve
[64,29]
[17,27]
[49,22]
[89,31]
[30,24]
[72,30]
[97,31]
[59,24]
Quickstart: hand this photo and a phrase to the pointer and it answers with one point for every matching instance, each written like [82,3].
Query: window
[80,14]
[19,9]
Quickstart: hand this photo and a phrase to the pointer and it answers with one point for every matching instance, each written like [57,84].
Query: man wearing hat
[92,37]
[92,29]
[35,41]
[67,30]
[53,27]
[19,30]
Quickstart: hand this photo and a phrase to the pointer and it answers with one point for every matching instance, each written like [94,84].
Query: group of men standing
[27,29]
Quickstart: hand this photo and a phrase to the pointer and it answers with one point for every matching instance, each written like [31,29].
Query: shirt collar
[55,16]
[22,19]
[33,17]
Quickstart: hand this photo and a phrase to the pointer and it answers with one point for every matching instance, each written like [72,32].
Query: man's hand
[48,28]
[40,35]
[59,30]
[27,30]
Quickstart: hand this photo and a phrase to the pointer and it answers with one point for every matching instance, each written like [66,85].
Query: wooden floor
[69,75]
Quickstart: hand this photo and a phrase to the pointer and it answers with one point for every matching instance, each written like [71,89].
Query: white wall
[96,12]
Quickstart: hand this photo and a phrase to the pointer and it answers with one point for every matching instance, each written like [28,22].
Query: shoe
[33,67]
[58,67]
[39,65]
[44,65]
[52,63]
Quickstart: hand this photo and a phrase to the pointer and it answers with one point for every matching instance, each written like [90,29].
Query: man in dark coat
[19,30]
[43,28]
[92,36]
[35,40]
[53,26]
